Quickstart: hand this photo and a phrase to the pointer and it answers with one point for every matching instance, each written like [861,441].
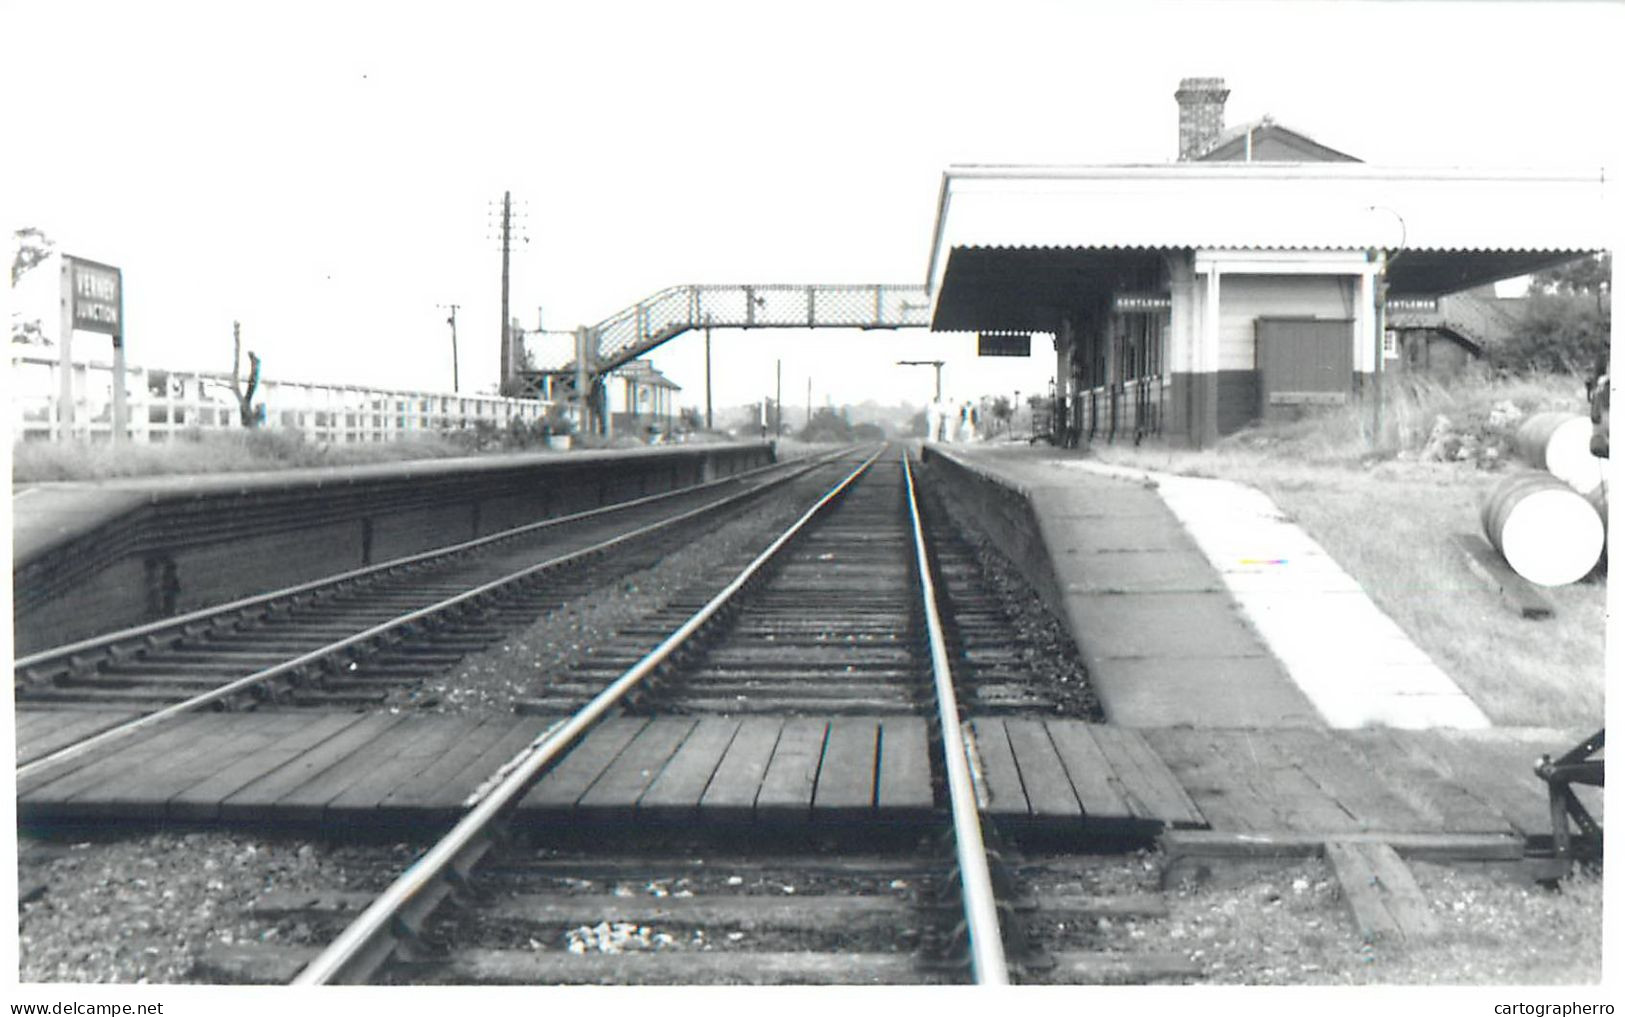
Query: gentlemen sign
[1141,303]
[1004,344]
[97,297]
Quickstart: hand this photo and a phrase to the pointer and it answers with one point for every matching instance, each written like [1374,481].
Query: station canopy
[1015,246]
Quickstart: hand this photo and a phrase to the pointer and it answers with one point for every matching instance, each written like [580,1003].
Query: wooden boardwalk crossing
[349,771]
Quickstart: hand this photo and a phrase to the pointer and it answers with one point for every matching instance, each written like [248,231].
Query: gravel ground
[1288,925]
[490,681]
[142,908]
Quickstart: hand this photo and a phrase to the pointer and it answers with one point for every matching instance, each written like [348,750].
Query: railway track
[348,640]
[829,651]
[844,598]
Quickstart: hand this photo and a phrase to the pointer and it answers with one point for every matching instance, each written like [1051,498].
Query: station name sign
[1004,344]
[1422,305]
[98,298]
[1141,303]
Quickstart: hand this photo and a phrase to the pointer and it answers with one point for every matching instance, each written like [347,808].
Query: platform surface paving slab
[1163,638]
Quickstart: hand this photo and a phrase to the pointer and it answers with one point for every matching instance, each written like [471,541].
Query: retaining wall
[94,558]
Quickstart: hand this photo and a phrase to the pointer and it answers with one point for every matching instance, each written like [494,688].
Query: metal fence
[165,403]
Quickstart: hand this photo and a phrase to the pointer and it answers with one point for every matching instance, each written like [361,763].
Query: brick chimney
[1201,115]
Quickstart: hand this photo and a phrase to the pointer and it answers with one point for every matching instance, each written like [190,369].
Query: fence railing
[166,403]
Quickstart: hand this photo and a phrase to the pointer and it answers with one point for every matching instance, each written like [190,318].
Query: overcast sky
[326,174]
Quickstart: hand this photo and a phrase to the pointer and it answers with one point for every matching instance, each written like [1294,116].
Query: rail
[370,939]
[976,882]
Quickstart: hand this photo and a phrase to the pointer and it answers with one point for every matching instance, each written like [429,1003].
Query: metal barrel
[1546,531]
[1560,443]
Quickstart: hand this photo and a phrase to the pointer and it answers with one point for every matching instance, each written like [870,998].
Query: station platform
[1195,602]
[1081,783]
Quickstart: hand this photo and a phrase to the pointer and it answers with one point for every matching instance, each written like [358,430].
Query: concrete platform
[90,558]
[1196,602]
[1163,638]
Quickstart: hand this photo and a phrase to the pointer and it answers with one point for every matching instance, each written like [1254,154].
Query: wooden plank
[998,780]
[418,750]
[55,729]
[1404,899]
[413,793]
[144,791]
[1080,967]
[681,967]
[1283,776]
[846,781]
[792,774]
[1485,562]
[1292,843]
[676,791]
[1224,795]
[1049,791]
[616,792]
[731,795]
[1426,784]
[56,791]
[563,785]
[1089,771]
[308,802]
[903,785]
[454,793]
[259,753]
[1381,892]
[1358,784]
[1145,783]
[261,799]
[58,770]
[825,913]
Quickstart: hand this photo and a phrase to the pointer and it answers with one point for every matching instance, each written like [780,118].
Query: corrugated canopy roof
[1324,206]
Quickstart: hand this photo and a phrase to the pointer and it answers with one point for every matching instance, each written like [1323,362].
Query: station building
[1250,279]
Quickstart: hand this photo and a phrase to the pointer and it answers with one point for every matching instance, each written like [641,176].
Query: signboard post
[93,301]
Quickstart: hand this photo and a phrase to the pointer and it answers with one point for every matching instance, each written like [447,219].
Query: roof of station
[1024,236]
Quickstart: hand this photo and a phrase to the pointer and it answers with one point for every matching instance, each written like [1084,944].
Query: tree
[826,425]
[1001,410]
[245,398]
[30,246]
[1565,321]
[1589,275]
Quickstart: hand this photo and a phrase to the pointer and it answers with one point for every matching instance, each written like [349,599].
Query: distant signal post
[92,301]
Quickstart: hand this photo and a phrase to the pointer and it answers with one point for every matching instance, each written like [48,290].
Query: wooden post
[64,348]
[121,413]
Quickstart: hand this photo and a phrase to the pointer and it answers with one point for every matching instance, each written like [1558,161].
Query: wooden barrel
[1545,530]
[1560,443]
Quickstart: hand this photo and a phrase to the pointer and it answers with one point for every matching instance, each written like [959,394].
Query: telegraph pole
[452,321]
[809,402]
[778,398]
[708,370]
[507,337]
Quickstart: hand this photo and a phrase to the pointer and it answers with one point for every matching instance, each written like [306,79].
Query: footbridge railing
[671,312]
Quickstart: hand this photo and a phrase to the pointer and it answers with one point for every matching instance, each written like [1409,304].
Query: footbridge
[658,319]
